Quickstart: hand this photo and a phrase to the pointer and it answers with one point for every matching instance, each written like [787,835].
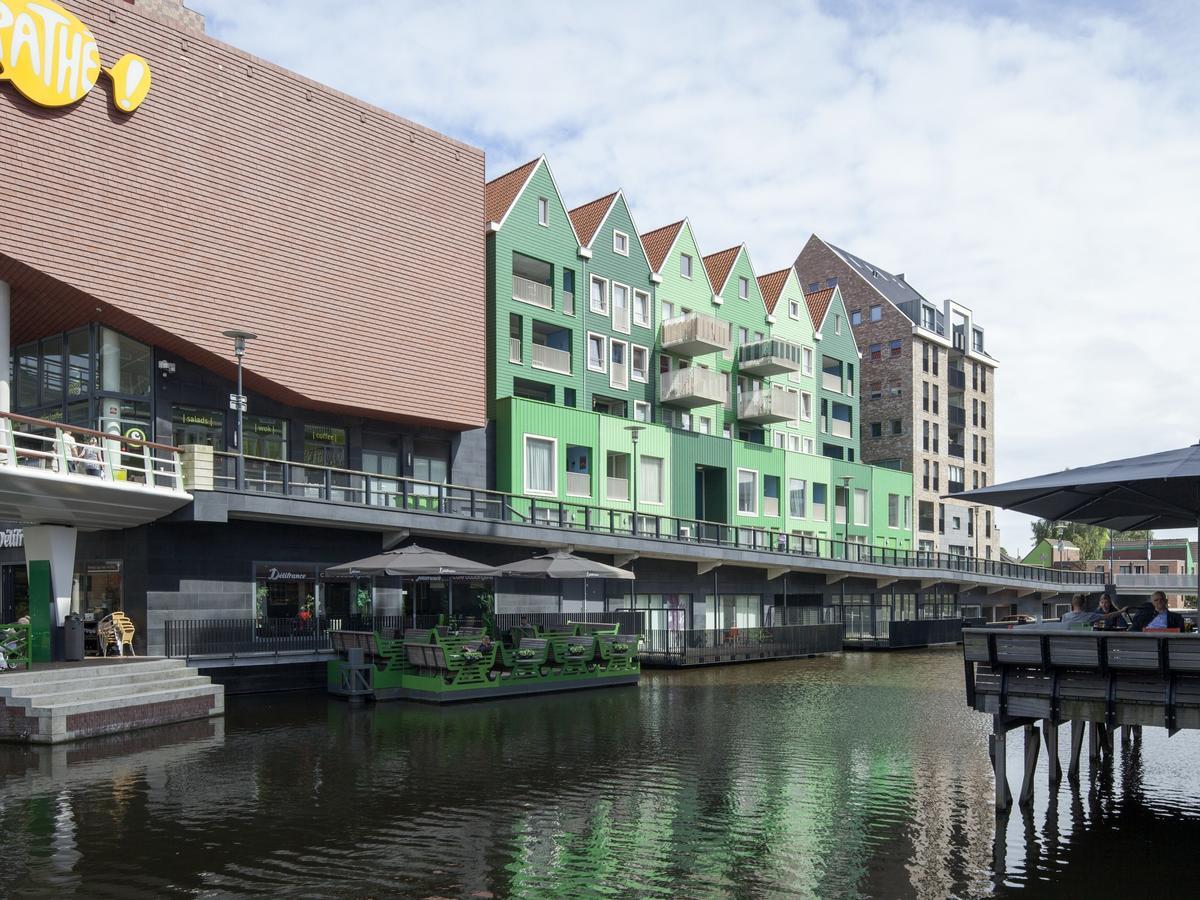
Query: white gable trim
[542,161]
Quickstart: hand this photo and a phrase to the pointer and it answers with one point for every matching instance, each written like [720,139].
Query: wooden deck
[1101,680]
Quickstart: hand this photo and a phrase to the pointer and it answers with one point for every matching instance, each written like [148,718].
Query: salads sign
[52,59]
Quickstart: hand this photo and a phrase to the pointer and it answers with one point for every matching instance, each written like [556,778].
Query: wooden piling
[1033,744]
[1050,730]
[1077,728]
[998,745]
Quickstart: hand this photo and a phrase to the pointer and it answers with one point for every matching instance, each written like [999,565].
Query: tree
[1092,540]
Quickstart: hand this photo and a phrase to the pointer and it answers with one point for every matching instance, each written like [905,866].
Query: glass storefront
[284,591]
[193,425]
[431,463]
[325,446]
[100,587]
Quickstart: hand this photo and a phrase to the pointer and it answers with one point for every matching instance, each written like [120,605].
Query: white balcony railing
[618,375]
[693,387]
[514,350]
[840,428]
[551,359]
[529,291]
[831,382]
[770,506]
[695,335]
[767,405]
[579,484]
[617,489]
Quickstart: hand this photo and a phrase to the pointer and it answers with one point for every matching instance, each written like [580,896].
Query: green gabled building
[837,375]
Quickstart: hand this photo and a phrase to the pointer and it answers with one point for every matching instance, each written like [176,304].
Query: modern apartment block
[928,386]
[742,394]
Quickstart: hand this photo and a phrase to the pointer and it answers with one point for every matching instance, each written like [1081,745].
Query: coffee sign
[52,59]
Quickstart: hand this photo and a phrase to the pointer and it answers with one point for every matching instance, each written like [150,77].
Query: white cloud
[1042,171]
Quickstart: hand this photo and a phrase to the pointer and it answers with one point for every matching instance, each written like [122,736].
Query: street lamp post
[239,349]
[635,431]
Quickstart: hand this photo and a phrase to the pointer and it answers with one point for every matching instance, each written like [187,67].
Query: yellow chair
[116,629]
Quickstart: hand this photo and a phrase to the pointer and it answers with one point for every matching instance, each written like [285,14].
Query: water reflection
[862,775]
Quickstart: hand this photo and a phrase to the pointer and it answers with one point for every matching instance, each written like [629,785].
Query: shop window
[27,376]
[192,425]
[100,587]
[265,437]
[52,371]
[124,365]
[431,463]
[284,591]
[325,446]
[79,363]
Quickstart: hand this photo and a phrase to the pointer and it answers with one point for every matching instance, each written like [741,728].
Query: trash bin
[73,639]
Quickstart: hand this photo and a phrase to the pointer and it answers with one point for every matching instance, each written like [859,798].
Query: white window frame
[806,361]
[643,321]
[612,344]
[837,323]
[691,266]
[704,424]
[633,373]
[743,287]
[603,367]
[617,250]
[738,489]
[642,407]
[793,443]
[898,500]
[543,212]
[662,479]
[803,482]
[808,445]
[876,312]
[603,308]
[621,327]
[778,439]
[668,310]
[806,395]
[794,309]
[553,492]
[866,507]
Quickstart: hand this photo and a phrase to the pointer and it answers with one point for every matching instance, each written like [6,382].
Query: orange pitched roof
[719,264]
[657,243]
[818,305]
[587,218]
[500,193]
[771,286]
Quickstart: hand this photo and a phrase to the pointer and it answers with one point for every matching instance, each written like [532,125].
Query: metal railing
[535,292]
[514,350]
[627,621]
[693,386]
[551,359]
[774,353]
[15,644]
[771,403]
[700,647]
[698,332]
[413,495]
[233,638]
[85,453]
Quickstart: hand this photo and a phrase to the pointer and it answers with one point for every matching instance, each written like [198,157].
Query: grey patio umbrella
[416,562]
[562,565]
[1161,490]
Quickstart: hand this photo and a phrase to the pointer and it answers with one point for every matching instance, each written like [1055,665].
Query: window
[937,477]
[668,310]
[743,336]
[617,480]
[569,397]
[936,436]
[568,297]
[770,495]
[806,360]
[685,265]
[540,470]
[925,397]
[743,288]
[837,324]
[704,424]
[875,390]
[543,211]
[620,242]
[876,429]
[794,309]
[747,496]
[907,513]
[514,338]
[897,426]
[925,477]
[650,483]
[983,379]
[975,412]
[597,353]
[641,411]
[983,414]
[936,399]
[856,317]
[599,296]
[806,406]
[974,376]
[894,389]
[641,308]
[793,443]
[924,356]
[123,366]
[928,318]
[840,502]
[876,351]
[896,348]
[618,372]
[640,358]
[977,339]
[818,501]
[620,308]
[579,471]
[860,506]
[808,445]
[893,510]
[876,313]
[797,498]
[925,435]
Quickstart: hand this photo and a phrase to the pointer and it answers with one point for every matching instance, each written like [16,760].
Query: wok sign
[52,59]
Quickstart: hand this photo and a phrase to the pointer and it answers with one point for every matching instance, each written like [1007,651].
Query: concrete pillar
[110,408]
[49,551]
[5,348]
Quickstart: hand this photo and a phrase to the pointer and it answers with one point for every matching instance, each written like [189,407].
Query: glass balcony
[770,357]
[769,405]
[692,387]
[695,334]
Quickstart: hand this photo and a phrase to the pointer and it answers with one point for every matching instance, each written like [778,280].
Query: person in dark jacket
[1156,615]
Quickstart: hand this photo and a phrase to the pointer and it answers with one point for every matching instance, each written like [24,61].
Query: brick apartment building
[928,387]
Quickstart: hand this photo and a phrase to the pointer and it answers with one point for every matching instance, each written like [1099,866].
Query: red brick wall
[241,194]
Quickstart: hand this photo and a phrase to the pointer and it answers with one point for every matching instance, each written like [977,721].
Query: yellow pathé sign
[52,58]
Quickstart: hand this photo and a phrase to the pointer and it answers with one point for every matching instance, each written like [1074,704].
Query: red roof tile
[657,243]
[771,286]
[818,305]
[587,218]
[499,193]
[719,265]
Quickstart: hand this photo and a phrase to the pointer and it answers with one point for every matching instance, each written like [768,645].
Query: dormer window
[543,211]
[685,265]
[620,243]
[743,288]
[928,318]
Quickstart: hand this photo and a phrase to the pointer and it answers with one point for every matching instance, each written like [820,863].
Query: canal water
[862,775]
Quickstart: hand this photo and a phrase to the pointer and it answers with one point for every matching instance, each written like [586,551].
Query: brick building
[928,387]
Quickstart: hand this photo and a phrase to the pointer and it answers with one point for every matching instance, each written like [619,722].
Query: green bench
[15,641]
[618,652]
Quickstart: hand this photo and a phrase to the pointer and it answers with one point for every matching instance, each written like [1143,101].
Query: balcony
[769,405]
[832,381]
[695,334]
[579,484]
[769,357]
[529,291]
[955,487]
[958,379]
[840,428]
[692,387]
[958,416]
[617,489]
[514,350]
[770,507]
[551,360]
[957,450]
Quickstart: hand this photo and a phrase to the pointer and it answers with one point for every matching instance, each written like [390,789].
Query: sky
[1039,163]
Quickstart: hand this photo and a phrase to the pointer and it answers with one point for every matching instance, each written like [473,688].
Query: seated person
[1079,614]
[1114,619]
[485,645]
[1156,615]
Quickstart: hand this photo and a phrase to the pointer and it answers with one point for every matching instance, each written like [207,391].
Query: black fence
[628,622]
[187,638]
[724,645]
[924,632]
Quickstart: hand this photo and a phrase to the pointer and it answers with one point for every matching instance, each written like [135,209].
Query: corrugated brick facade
[243,195]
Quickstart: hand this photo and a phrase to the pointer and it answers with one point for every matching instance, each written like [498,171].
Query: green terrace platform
[437,666]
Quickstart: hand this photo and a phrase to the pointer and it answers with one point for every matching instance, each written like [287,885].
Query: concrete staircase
[50,706]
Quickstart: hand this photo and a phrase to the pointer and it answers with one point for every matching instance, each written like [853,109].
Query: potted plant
[261,595]
[362,602]
[526,653]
